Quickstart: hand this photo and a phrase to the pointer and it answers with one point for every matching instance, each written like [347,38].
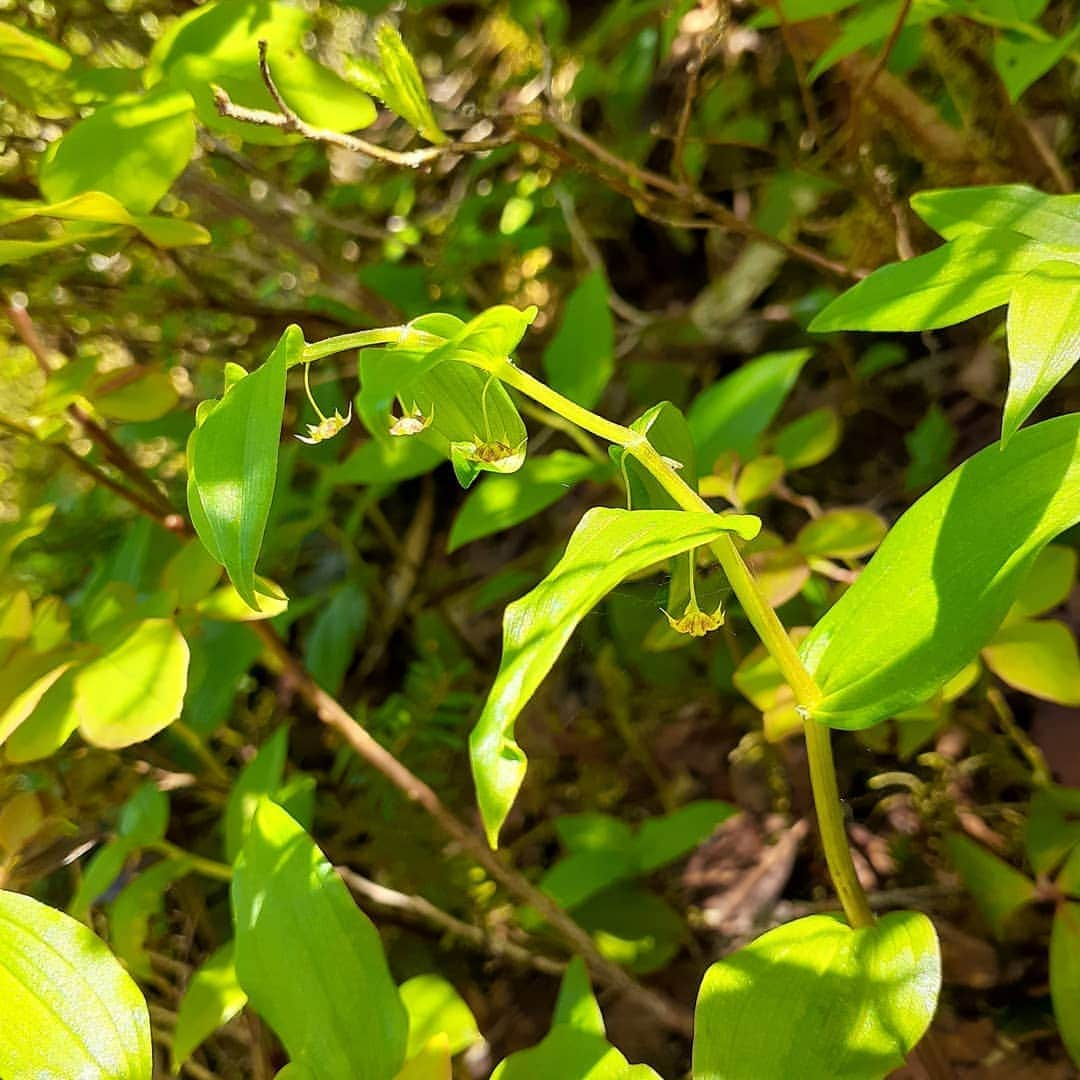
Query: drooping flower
[412,423]
[328,426]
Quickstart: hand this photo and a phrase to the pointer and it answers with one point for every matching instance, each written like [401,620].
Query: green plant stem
[761,616]
[219,871]
[359,339]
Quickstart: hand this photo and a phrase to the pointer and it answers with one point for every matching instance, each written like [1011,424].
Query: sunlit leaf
[607,546]
[132,149]
[70,1010]
[309,959]
[436,1008]
[818,1000]
[1044,338]
[212,998]
[734,412]
[232,465]
[135,687]
[945,577]
[1038,657]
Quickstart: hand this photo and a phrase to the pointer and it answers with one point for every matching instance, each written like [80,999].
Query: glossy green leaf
[945,577]
[581,875]
[841,534]
[25,678]
[580,359]
[576,1047]
[997,888]
[48,727]
[960,279]
[192,573]
[400,85]
[227,605]
[1065,975]
[501,502]
[436,1008]
[217,45]
[232,465]
[260,778]
[309,959]
[70,1010]
[808,440]
[99,208]
[961,211]
[1038,657]
[135,687]
[212,998]
[132,149]
[35,73]
[379,463]
[734,412]
[607,546]
[1044,338]
[818,1000]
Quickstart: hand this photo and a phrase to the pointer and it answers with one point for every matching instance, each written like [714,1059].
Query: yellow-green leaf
[606,547]
[70,1010]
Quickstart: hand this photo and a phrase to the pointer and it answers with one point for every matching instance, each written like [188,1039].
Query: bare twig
[418,910]
[882,58]
[287,120]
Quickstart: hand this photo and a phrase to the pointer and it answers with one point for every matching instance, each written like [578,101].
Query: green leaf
[841,534]
[1039,658]
[960,279]
[380,463]
[70,1010]
[35,73]
[818,1000]
[808,440]
[260,778]
[592,832]
[139,902]
[192,572]
[576,1006]
[930,445]
[135,687]
[664,839]
[734,412]
[309,959]
[97,207]
[436,1008]
[669,434]
[232,465]
[606,547]
[213,997]
[1049,581]
[138,393]
[501,502]
[962,211]
[575,1048]
[945,577]
[400,85]
[217,45]
[580,359]
[997,888]
[1053,827]
[1065,975]
[338,629]
[632,926]
[1044,338]
[581,875]
[1020,61]
[132,149]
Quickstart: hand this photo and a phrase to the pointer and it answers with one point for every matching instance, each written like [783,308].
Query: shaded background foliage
[759,151]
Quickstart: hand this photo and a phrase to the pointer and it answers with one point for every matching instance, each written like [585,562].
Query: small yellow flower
[695,622]
[326,428]
[412,423]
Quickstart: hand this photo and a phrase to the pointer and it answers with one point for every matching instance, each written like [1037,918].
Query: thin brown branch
[287,120]
[114,453]
[418,910]
[882,57]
